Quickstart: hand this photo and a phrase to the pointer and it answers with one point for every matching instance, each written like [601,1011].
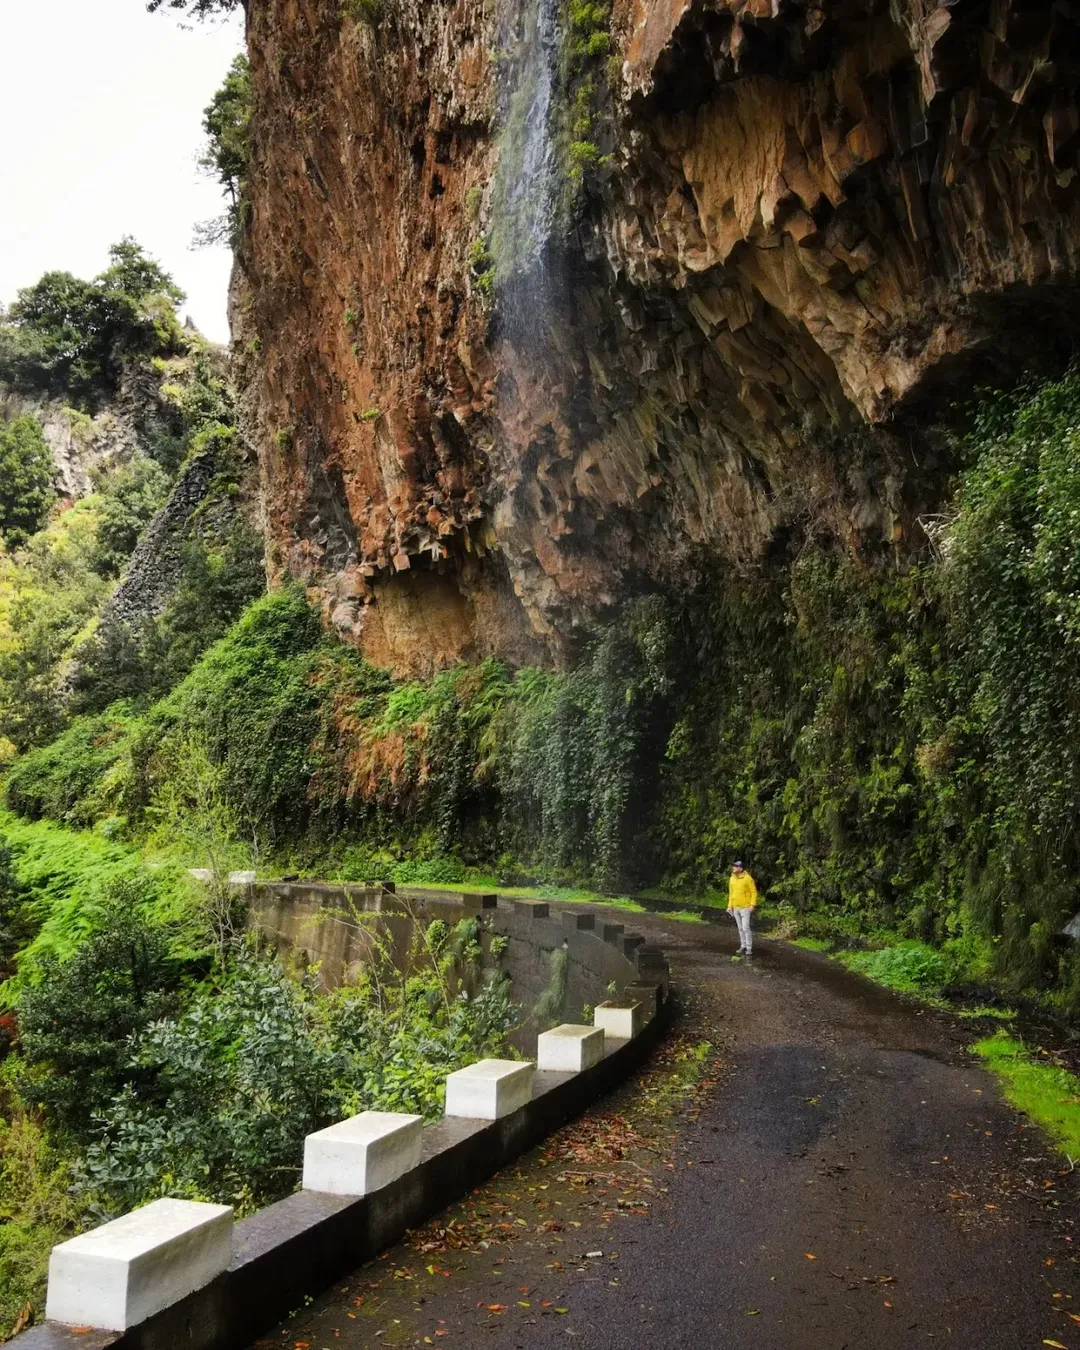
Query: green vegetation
[198,9]
[482,266]
[911,967]
[227,123]
[160,1051]
[57,655]
[363,11]
[847,727]
[26,480]
[584,78]
[1039,1087]
[72,339]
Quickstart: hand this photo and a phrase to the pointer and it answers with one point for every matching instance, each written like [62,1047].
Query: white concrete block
[118,1275]
[362,1154]
[242,878]
[570,1049]
[201,874]
[621,1022]
[489,1089]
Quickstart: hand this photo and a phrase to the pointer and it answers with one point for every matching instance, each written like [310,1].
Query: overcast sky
[100,124]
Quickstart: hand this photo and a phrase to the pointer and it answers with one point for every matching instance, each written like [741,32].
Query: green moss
[369,12]
[1040,1088]
[473,199]
[482,266]
[811,944]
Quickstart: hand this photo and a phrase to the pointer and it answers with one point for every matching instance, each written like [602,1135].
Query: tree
[227,123]
[69,338]
[26,480]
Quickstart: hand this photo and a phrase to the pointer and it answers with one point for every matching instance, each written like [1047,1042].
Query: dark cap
[737,862]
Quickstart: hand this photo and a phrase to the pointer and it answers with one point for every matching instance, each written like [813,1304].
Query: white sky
[100,126]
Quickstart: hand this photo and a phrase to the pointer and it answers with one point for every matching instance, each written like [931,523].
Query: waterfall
[527,185]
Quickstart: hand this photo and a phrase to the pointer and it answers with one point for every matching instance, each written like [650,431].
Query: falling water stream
[527,185]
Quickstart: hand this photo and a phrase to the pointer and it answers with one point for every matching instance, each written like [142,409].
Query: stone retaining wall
[337,926]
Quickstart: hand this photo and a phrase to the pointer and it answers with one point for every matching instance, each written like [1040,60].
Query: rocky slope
[777,238]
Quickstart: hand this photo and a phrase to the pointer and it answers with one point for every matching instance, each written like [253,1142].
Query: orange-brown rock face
[816,224]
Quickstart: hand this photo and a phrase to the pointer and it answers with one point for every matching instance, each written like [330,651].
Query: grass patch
[1047,1093]
[684,916]
[909,967]
[810,944]
[64,872]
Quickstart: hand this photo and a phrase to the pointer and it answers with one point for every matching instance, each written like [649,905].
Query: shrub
[72,778]
[26,480]
[77,1020]
[130,497]
[260,1061]
[36,1211]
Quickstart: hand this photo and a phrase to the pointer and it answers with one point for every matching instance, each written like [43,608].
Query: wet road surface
[810,1162]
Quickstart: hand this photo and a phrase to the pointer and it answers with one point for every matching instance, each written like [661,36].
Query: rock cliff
[539,304]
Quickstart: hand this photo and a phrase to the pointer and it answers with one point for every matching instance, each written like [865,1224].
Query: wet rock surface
[832,1170]
[812,228]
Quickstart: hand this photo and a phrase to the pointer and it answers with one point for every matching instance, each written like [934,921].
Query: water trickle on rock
[527,179]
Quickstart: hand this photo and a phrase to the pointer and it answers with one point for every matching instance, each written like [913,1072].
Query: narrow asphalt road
[830,1171]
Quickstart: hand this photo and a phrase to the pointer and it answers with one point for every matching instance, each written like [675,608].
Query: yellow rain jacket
[742,892]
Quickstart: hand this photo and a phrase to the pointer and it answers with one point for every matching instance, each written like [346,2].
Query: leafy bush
[48,597]
[432,872]
[36,1211]
[76,1021]
[259,1061]
[71,779]
[130,497]
[26,480]
[63,876]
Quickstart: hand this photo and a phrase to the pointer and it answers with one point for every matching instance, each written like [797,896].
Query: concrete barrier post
[570,1048]
[620,1021]
[362,1154]
[118,1275]
[490,1089]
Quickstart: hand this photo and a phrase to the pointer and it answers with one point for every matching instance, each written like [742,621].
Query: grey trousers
[746,935]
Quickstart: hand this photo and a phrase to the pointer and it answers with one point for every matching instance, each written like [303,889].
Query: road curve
[851,1179]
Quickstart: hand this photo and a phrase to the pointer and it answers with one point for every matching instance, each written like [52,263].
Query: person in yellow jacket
[742,901]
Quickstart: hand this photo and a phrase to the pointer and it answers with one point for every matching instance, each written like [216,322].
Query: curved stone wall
[337,927]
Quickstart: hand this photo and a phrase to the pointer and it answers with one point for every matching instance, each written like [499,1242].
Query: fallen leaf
[810,1256]
[562,1310]
[1056,1345]
[753,1312]
[496,1307]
